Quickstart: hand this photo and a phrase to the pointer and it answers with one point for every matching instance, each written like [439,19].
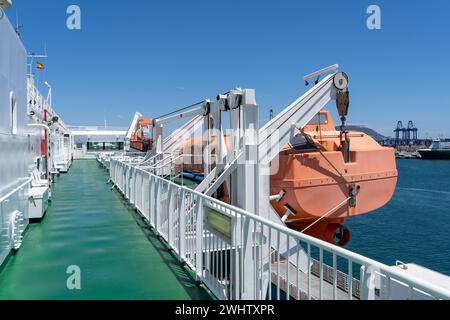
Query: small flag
[40,66]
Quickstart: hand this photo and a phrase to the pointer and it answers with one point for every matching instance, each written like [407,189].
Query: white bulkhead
[20,145]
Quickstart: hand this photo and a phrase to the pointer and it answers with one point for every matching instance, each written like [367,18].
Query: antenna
[104,116]
[18,26]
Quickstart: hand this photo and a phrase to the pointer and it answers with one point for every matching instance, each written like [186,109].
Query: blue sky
[157,56]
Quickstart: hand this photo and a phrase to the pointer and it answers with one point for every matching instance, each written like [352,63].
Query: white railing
[238,257]
[13,217]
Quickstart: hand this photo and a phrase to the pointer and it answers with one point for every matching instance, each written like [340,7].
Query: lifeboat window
[299,142]
[13,112]
[320,118]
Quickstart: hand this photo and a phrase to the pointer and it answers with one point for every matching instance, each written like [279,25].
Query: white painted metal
[199,109]
[133,125]
[14,207]
[38,204]
[23,191]
[249,251]
[177,214]
[131,130]
[275,135]
[59,138]
[282,128]
[318,73]
[177,138]
[251,151]
[17,146]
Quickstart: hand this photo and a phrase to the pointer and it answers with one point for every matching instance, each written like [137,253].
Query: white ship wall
[16,148]
[15,156]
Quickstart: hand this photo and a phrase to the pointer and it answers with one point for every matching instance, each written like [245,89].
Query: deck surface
[302,288]
[90,226]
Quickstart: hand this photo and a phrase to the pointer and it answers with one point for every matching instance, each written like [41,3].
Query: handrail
[389,272]
[164,164]
[161,161]
[9,194]
[40,125]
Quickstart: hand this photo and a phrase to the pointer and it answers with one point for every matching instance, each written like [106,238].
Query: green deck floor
[90,226]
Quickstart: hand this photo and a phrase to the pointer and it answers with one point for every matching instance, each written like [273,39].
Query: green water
[91,227]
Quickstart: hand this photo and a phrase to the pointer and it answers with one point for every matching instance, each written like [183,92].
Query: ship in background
[438,150]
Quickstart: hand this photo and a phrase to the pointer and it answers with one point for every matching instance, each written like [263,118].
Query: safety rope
[326,214]
[179,110]
[310,140]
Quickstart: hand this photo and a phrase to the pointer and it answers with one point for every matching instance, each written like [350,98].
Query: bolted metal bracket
[31,199]
[353,192]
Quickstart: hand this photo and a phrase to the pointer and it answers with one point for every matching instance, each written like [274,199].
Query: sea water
[415,225]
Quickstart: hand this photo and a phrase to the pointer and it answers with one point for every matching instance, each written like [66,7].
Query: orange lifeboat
[138,140]
[319,189]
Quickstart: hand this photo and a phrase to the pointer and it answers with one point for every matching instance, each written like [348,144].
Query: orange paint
[138,140]
[316,182]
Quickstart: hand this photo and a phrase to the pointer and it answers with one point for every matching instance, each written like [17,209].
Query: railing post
[133,184]
[248,260]
[127,182]
[171,202]
[151,207]
[182,226]
[157,204]
[166,213]
[144,198]
[363,289]
[199,239]
[245,255]
[236,259]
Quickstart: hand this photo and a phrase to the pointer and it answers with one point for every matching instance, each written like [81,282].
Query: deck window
[319,118]
[104,146]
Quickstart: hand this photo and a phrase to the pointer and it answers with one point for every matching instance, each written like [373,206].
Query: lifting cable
[186,108]
[326,214]
[310,140]
[179,110]
[312,224]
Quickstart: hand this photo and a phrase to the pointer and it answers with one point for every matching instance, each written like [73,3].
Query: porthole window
[13,112]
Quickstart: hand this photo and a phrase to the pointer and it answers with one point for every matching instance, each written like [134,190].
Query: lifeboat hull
[313,187]
[321,190]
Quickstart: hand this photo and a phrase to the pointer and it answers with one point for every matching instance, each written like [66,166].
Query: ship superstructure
[36,143]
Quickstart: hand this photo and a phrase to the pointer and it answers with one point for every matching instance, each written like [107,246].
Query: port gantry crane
[408,134]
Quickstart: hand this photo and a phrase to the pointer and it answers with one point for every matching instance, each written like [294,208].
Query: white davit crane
[278,132]
[131,130]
